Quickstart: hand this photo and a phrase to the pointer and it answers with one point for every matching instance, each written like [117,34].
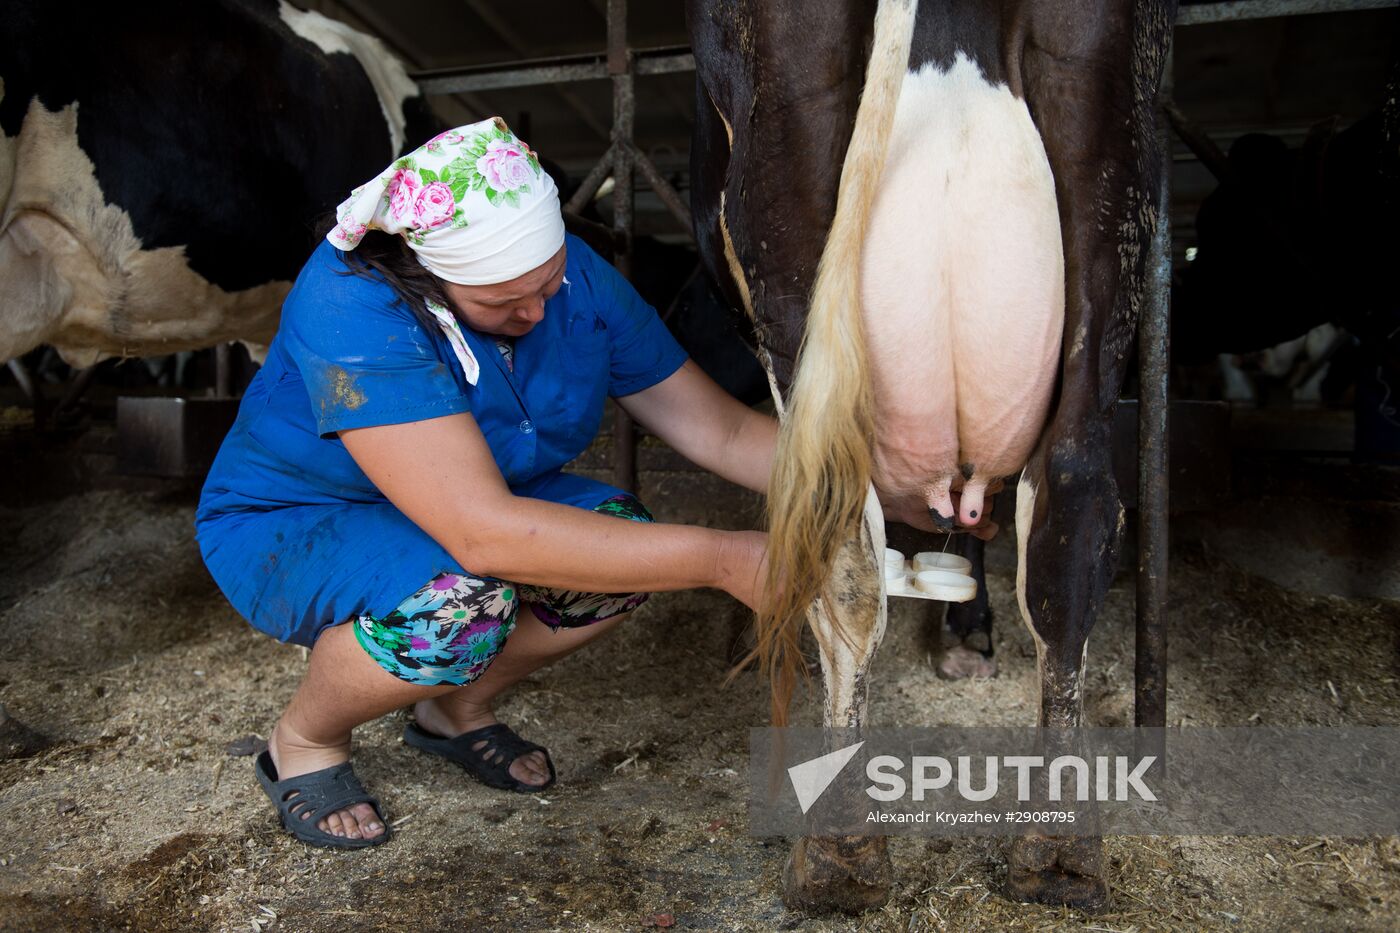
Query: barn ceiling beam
[666,60]
[1265,9]
[518,45]
[675,59]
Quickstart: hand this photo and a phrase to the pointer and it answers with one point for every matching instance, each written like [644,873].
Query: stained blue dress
[295,534]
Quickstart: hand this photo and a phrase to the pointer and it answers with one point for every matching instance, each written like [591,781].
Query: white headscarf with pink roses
[472,202]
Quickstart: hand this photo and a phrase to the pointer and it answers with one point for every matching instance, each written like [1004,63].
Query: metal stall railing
[1154,327]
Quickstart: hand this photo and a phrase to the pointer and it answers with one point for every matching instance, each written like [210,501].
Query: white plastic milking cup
[894,558]
[895,581]
[933,560]
[946,584]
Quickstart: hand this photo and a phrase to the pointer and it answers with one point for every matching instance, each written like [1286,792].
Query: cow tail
[822,470]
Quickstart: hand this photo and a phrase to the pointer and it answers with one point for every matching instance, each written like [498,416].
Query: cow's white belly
[962,286]
[74,274]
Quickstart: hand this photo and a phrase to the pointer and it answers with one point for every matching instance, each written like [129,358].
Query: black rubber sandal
[489,764]
[301,799]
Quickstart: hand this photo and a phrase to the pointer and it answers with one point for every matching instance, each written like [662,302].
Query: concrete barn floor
[133,815]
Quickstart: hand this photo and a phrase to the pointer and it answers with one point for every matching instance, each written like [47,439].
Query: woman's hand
[741,567]
[914,513]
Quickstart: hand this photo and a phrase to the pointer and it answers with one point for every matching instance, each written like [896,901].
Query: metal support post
[624,107]
[668,195]
[78,386]
[223,371]
[1198,141]
[26,382]
[1150,668]
[591,183]
[33,390]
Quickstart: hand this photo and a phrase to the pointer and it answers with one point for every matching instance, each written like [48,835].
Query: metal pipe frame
[77,388]
[591,182]
[33,390]
[668,195]
[550,71]
[1267,9]
[519,45]
[223,371]
[619,65]
[26,382]
[1154,329]
[1198,141]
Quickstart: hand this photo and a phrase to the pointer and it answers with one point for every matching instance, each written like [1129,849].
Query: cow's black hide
[211,123]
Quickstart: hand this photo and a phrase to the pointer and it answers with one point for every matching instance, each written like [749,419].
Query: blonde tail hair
[822,469]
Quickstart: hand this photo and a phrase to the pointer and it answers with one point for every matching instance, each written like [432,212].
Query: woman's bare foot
[292,755]
[450,716]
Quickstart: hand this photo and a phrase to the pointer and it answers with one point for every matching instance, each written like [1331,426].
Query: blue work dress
[295,534]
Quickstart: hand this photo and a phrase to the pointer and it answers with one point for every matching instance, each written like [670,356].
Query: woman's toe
[530,768]
[333,825]
[366,820]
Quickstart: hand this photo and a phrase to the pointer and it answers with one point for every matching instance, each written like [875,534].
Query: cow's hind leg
[967,627]
[1092,97]
[846,873]
[1068,528]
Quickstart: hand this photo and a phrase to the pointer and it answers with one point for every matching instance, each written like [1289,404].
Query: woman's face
[509,309]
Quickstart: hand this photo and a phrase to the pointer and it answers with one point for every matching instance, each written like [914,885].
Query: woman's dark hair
[388,257]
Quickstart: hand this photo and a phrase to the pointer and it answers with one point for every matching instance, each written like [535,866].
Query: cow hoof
[847,874]
[1046,870]
[961,663]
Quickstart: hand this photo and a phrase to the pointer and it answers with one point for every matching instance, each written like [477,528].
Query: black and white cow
[1291,241]
[937,215]
[162,165]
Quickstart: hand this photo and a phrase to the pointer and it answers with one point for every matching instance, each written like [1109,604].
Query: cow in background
[1295,239]
[162,165]
[986,190]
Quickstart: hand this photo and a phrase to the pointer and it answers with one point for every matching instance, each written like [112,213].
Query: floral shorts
[451,630]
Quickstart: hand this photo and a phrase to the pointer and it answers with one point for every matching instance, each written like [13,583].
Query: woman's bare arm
[689,411]
[440,473]
[708,426]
